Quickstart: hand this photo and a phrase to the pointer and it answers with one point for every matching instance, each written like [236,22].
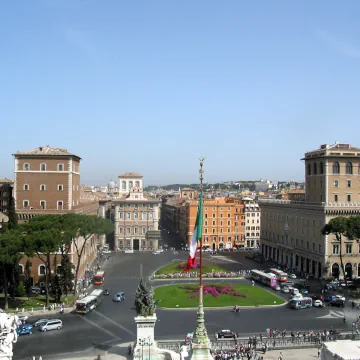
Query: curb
[225,307]
[197,279]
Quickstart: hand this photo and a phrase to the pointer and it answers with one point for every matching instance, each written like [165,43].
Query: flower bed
[214,290]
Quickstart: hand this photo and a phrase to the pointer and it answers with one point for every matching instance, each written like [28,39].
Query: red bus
[280,275]
[98,278]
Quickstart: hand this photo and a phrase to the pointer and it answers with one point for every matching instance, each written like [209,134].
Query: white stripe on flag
[193,244]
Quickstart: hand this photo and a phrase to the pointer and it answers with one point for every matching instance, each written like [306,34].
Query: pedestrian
[319,352]
[280,356]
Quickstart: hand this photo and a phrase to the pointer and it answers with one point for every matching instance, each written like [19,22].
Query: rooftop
[6,181]
[130,175]
[45,150]
[336,149]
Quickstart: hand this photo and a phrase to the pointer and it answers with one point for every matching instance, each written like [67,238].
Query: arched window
[205,216]
[321,167]
[315,168]
[21,269]
[336,167]
[349,168]
[41,270]
[130,185]
[123,186]
[137,184]
[309,169]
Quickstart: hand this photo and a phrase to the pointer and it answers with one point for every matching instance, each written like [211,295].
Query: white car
[340,297]
[292,276]
[106,251]
[129,251]
[318,303]
[156,252]
[285,290]
[277,288]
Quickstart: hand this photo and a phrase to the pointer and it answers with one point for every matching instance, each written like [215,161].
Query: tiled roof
[6,181]
[46,150]
[130,175]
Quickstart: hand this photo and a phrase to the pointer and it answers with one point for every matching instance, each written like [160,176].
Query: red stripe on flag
[191,263]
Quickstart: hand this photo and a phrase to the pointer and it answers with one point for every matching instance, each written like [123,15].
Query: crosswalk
[332,314]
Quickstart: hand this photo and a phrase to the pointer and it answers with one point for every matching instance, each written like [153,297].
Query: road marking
[332,314]
[99,327]
[115,323]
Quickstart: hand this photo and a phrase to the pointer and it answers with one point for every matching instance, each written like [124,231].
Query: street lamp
[145,342]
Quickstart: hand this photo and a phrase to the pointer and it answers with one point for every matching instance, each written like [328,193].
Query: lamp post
[145,342]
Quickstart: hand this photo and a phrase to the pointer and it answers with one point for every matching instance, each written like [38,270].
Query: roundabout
[215,296]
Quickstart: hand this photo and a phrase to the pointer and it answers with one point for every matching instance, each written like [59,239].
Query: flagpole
[200,346]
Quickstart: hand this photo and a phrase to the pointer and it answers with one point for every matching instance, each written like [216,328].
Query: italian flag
[196,236]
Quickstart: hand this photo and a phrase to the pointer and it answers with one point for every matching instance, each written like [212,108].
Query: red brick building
[47,181]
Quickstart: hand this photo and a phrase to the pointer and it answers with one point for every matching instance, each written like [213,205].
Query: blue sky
[149,86]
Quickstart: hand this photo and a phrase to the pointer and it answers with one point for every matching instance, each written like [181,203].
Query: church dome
[111,184]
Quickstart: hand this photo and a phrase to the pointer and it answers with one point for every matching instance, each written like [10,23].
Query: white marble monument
[8,334]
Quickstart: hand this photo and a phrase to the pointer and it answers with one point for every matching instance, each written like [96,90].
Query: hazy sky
[149,86]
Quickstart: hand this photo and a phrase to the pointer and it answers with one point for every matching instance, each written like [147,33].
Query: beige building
[136,216]
[252,223]
[291,230]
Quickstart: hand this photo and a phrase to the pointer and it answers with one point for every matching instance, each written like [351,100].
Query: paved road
[114,323]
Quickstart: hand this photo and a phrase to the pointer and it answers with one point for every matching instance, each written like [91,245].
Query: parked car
[318,303]
[129,251]
[119,297]
[40,322]
[337,303]
[25,329]
[53,324]
[225,334]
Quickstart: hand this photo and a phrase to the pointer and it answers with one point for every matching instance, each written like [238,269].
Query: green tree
[27,276]
[42,238]
[13,219]
[10,247]
[55,284]
[81,229]
[66,274]
[20,289]
[339,227]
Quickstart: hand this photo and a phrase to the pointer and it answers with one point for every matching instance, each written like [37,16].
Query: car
[156,252]
[188,338]
[40,322]
[106,292]
[292,276]
[296,297]
[342,298]
[277,288]
[225,334]
[35,290]
[317,297]
[338,303]
[106,251]
[304,291]
[318,303]
[119,297]
[52,324]
[129,251]
[285,290]
[25,329]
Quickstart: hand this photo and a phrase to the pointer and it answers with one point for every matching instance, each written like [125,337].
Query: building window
[214,215]
[336,249]
[309,169]
[336,197]
[26,167]
[60,205]
[229,215]
[120,230]
[336,167]
[123,185]
[26,204]
[214,238]
[213,231]
[136,216]
[43,204]
[41,270]
[42,187]
[349,168]
[144,230]
[348,197]
[229,230]
[349,248]
[21,269]
[229,239]
[315,168]
[26,187]
[42,167]
[336,183]
[136,230]
[60,167]
[60,187]
[205,230]
[215,224]
[206,216]
[348,183]
[221,215]
[128,230]
[321,167]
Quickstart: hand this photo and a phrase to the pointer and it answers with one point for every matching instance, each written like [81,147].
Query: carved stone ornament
[8,334]
[144,300]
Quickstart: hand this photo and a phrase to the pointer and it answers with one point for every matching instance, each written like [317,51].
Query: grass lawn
[172,295]
[35,302]
[174,268]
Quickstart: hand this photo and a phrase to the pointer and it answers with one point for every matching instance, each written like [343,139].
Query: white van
[54,324]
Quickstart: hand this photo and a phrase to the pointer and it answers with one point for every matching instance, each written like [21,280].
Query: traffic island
[215,296]
[176,270]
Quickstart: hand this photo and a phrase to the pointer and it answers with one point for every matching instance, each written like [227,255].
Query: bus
[280,275]
[90,302]
[303,303]
[266,279]
[98,278]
